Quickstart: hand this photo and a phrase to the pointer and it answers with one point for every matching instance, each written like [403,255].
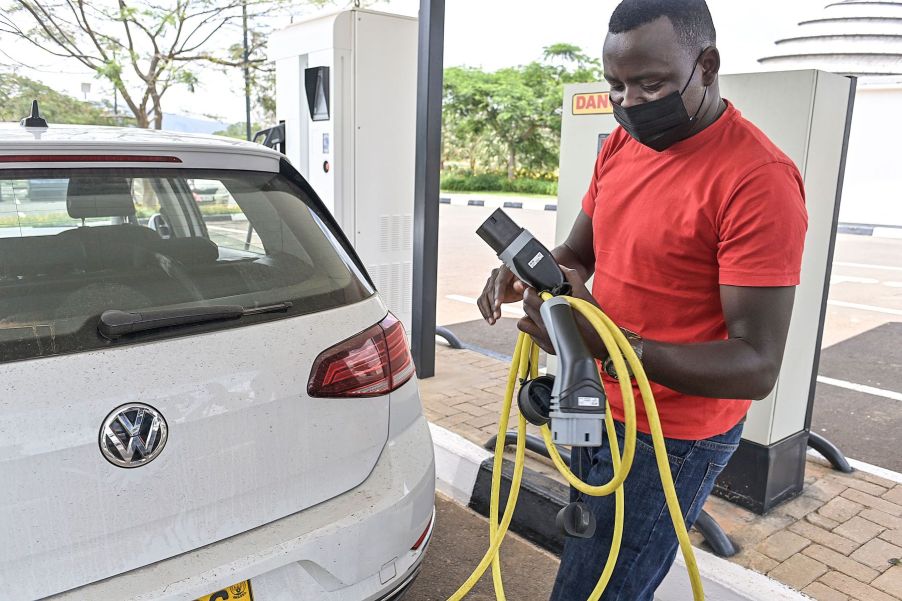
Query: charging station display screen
[316,84]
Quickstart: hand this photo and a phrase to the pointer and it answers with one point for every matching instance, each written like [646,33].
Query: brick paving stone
[798,571]
[884,482]
[825,538]
[862,485]
[754,532]
[825,489]
[854,588]
[894,495]
[819,520]
[471,433]
[475,410]
[838,561]
[461,398]
[822,592]
[452,420]
[483,420]
[782,545]
[841,509]
[890,582]
[859,529]
[873,502]
[755,561]
[817,466]
[892,536]
[884,519]
[877,554]
[801,506]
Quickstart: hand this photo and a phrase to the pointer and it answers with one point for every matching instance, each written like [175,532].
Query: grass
[62,219]
[501,194]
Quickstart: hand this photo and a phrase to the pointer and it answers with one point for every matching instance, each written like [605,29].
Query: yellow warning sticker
[592,104]
[236,592]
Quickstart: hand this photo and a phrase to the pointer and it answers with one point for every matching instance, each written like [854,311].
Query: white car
[196,405]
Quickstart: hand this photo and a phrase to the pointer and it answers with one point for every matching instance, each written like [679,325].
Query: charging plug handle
[523,254]
[577,388]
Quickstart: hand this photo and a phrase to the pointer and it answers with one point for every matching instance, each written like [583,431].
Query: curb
[864,229]
[499,203]
[463,472]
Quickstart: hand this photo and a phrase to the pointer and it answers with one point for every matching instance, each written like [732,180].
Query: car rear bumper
[354,546]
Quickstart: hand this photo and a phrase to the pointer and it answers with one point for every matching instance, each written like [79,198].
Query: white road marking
[866,266]
[876,470]
[514,309]
[851,279]
[885,310]
[887,394]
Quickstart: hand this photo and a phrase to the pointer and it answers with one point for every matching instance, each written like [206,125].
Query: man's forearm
[564,255]
[728,369]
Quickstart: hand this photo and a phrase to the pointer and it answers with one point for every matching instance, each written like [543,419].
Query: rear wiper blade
[116,324]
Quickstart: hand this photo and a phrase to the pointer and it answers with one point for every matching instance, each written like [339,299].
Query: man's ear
[710,63]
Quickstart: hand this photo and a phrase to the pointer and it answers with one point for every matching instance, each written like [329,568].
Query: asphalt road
[858,403]
[459,543]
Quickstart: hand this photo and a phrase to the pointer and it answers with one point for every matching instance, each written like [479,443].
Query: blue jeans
[649,542]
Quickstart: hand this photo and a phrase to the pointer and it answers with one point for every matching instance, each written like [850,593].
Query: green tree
[237,130]
[17,92]
[142,47]
[511,118]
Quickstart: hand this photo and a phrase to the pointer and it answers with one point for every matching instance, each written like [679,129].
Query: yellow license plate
[238,592]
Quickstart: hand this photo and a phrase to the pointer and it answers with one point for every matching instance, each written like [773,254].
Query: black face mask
[660,123]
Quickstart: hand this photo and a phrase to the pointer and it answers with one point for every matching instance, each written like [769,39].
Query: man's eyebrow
[646,75]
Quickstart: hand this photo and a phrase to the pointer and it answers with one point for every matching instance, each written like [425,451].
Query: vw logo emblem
[133,435]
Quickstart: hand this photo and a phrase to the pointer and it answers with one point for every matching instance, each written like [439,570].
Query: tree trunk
[157,114]
[511,162]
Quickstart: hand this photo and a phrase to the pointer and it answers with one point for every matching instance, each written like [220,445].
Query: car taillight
[372,363]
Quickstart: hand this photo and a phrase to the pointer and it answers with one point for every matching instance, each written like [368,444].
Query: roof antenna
[35,120]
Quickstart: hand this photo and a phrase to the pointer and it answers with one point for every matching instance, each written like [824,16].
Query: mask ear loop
[702,103]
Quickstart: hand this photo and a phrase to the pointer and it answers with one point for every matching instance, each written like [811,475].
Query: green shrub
[497,182]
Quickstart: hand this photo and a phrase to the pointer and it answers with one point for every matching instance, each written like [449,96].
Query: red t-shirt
[723,207]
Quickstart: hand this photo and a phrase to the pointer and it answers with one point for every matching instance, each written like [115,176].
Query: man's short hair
[691,19]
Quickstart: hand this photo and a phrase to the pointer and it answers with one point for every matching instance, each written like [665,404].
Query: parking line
[851,279]
[867,266]
[885,310]
[887,394]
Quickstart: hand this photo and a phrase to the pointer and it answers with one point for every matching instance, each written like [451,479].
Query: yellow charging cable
[525,361]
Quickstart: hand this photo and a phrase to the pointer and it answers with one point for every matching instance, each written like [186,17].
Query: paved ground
[840,540]
[460,541]
[862,335]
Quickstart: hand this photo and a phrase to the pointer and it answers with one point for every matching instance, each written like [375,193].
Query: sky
[481,33]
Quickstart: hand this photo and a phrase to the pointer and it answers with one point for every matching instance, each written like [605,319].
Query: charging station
[811,125]
[346,90]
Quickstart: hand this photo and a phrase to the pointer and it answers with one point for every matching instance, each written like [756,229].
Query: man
[693,227]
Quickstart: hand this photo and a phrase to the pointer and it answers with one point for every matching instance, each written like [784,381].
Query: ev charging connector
[577,400]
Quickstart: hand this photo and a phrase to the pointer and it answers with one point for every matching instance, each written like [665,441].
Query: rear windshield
[77,242]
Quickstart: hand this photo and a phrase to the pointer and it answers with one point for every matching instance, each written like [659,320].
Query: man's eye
[616,87]
[652,87]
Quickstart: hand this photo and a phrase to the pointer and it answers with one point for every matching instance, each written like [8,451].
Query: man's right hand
[501,287]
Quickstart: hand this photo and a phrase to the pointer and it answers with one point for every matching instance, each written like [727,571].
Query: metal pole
[426,189]
[247,71]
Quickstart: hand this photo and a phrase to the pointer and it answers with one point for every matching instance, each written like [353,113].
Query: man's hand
[501,287]
[534,326]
